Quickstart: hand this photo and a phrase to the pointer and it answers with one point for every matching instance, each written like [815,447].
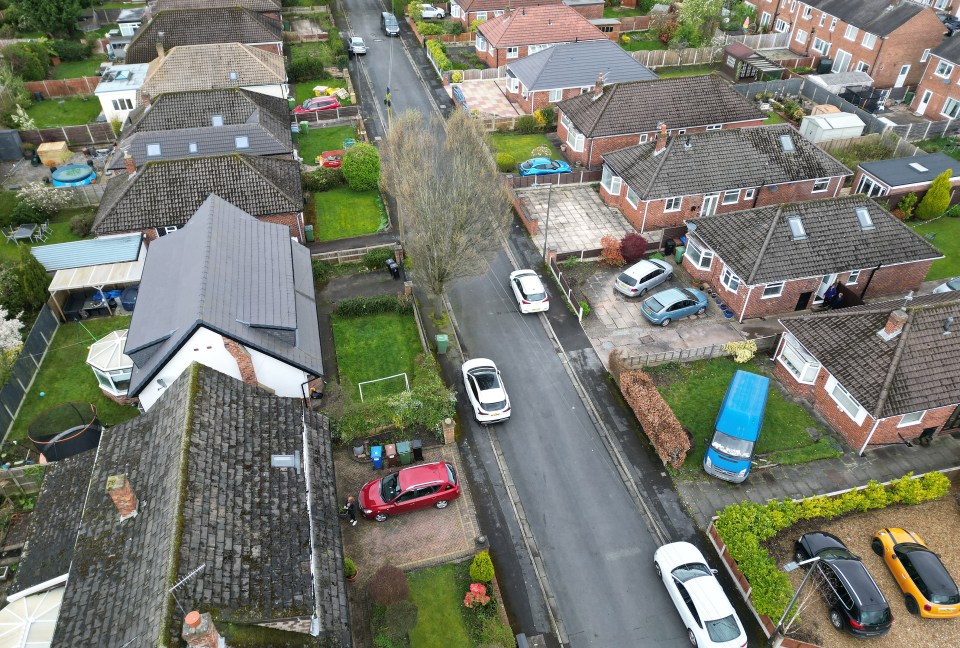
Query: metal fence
[346,256]
[343,112]
[767,343]
[26,365]
[567,290]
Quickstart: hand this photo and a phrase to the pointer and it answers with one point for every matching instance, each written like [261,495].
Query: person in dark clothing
[830,296]
[351,509]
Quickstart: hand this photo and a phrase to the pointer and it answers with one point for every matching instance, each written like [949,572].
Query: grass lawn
[774,118]
[946,145]
[313,48]
[685,70]
[642,40]
[318,140]
[59,226]
[74,69]
[695,391]
[520,146]
[622,12]
[375,346]
[343,212]
[65,377]
[73,111]
[304,90]
[947,240]
[439,599]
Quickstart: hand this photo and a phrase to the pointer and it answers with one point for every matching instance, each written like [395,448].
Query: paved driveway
[578,218]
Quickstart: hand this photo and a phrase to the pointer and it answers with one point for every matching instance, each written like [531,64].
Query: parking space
[578,218]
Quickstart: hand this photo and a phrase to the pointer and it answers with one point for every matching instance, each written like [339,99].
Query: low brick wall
[64,87]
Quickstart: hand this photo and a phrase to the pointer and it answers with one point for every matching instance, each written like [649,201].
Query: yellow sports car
[928,589]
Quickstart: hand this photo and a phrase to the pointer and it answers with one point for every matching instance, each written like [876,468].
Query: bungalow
[660,184]
[897,177]
[128,22]
[880,374]
[215,67]
[245,308]
[519,33]
[219,500]
[784,258]
[938,92]
[469,11]
[628,114]
[161,196]
[179,27]
[568,70]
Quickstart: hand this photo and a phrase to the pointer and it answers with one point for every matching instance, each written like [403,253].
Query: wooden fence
[347,256]
[766,343]
[85,135]
[53,89]
[634,23]
[343,112]
[901,147]
[677,58]
[21,480]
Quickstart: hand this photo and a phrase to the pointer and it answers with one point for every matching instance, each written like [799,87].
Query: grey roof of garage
[758,246]
[574,65]
[898,172]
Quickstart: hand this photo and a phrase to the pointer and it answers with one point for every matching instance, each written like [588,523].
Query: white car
[693,586]
[429,11]
[356,46]
[642,276]
[484,386]
[948,286]
[529,292]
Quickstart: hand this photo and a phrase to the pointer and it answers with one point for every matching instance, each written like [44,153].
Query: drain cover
[647,339]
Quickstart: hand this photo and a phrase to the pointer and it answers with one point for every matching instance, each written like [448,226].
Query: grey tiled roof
[758,246]
[169,192]
[718,160]
[925,374]
[639,107]
[54,522]
[878,17]
[211,67]
[175,120]
[201,27]
[577,64]
[262,6]
[247,281]
[199,462]
[949,49]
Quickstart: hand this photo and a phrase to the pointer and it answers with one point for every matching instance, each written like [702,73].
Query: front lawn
[685,70]
[343,212]
[946,231]
[439,600]
[318,140]
[520,146]
[305,91]
[375,346]
[75,69]
[72,111]
[695,392]
[65,377]
[642,40]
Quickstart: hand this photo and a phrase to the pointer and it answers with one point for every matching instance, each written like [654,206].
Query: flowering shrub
[477,596]
[741,351]
[541,151]
[610,251]
[44,198]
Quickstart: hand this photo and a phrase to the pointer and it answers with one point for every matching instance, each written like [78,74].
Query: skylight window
[233,76]
[153,150]
[217,120]
[192,146]
[242,142]
[863,217]
[796,228]
[916,166]
[786,143]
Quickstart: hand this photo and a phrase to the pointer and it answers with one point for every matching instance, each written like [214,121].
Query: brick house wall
[940,89]
[590,12]
[534,101]
[649,215]
[291,220]
[273,48]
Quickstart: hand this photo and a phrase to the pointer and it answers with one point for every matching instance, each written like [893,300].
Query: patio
[485,96]
[578,219]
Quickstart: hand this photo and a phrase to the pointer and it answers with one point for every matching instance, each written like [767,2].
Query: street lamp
[776,639]
[546,228]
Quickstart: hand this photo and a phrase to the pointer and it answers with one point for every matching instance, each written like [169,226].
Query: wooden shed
[53,153]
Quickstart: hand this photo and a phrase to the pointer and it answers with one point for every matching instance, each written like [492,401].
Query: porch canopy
[117,273]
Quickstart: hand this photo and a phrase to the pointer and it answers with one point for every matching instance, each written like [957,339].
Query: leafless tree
[455,206]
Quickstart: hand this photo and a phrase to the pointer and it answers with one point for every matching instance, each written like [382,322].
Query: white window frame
[643,138]
[845,401]
[481,43]
[781,26]
[632,198]
[586,89]
[807,12]
[951,105]
[823,19]
[575,139]
[699,258]
[821,46]
[853,278]
[913,418]
[925,55]
[513,84]
[748,194]
[513,52]
[481,15]
[733,195]
[455,10]
[801,365]
[713,127]
[555,95]
[869,40]
[612,183]
[772,290]
[672,204]
[863,66]
[824,184]
[850,33]
[943,69]
[729,279]
[765,19]
[801,36]
[833,24]
[242,142]
[865,182]
[523,91]
[793,5]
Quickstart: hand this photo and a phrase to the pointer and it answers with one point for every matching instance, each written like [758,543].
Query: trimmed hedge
[322,179]
[360,306]
[744,527]
[439,52]
[376,259]
[505,162]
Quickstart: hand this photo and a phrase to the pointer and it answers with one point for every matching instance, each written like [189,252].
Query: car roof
[641,267]
[669,296]
[539,160]
[530,282]
[930,569]
[860,584]
[477,363]
[817,541]
[427,473]
[709,597]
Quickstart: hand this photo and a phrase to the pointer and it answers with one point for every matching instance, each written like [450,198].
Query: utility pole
[776,639]
[546,228]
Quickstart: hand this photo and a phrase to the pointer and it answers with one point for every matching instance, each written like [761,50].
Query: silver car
[948,286]
[357,46]
[642,276]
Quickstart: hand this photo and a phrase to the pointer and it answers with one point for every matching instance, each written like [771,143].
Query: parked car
[543,166]
[928,588]
[696,593]
[331,159]
[316,104]
[409,489]
[429,11]
[856,604]
[485,390]
[948,286]
[642,276]
[737,428]
[356,46]
[529,292]
[672,304]
[389,24]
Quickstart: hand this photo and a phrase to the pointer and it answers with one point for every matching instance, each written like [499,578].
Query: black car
[856,604]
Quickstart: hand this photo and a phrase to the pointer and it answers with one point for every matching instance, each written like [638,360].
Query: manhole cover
[647,339]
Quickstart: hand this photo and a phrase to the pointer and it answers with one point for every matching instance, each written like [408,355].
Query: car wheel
[912,606]
[836,619]
[656,567]
[442,504]
[702,311]
[800,554]
[877,546]
[665,322]
[691,637]
[380,517]
[643,291]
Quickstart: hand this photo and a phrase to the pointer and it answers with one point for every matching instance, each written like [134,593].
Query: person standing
[351,508]
[386,99]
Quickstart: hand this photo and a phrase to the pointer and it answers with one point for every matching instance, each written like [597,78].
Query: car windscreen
[654,305]
[451,474]
[389,487]
[954,284]
[725,629]
[731,446]
[875,617]
[683,573]
[627,279]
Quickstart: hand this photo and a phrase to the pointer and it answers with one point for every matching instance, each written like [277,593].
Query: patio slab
[485,96]
[578,219]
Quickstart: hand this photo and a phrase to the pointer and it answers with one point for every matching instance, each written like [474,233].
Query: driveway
[577,217]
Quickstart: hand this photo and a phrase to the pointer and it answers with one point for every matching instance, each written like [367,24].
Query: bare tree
[455,206]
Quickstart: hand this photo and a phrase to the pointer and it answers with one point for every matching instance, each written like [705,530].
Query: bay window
[795,359]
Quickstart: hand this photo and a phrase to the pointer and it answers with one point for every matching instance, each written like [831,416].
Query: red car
[416,487]
[316,104]
[331,159]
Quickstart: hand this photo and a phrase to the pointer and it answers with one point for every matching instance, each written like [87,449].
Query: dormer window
[242,141]
[192,147]
[796,228]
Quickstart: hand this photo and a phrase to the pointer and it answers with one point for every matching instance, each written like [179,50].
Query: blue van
[738,427]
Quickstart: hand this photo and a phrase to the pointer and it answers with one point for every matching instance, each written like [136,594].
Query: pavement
[577,218]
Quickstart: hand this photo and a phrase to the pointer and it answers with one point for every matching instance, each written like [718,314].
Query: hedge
[439,53]
[744,527]
[360,306]
[656,418]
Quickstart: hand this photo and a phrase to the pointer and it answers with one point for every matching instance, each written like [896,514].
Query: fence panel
[580,176]
[52,89]
[26,365]
[21,480]
[766,343]
[73,135]
[346,256]
[566,289]
[674,58]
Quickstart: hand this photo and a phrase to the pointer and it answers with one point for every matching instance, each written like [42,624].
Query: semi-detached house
[938,93]
[528,30]
[467,11]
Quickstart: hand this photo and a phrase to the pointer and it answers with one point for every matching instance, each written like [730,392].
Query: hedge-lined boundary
[360,306]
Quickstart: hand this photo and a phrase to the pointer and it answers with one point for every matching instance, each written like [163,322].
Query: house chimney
[894,325]
[145,100]
[661,139]
[129,164]
[199,631]
[121,492]
[160,51]
[598,86]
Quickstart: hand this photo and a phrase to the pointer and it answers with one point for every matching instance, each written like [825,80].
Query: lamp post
[546,228]
[776,639]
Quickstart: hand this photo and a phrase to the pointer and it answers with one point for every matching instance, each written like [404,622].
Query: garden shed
[831,126]
[740,62]
[53,153]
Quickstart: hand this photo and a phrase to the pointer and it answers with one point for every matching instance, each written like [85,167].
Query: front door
[902,77]
[825,283]
[710,202]
[924,100]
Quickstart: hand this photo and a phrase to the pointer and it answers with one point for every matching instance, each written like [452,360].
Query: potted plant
[28,150]
[349,570]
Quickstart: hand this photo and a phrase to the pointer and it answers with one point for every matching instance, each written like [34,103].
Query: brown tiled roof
[208,67]
[502,5]
[261,6]
[640,107]
[201,27]
[537,25]
[915,371]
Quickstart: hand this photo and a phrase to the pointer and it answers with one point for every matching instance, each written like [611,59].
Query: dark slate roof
[640,107]
[875,16]
[54,522]
[898,172]
[574,65]
[201,27]
[248,281]
[175,120]
[262,6]
[949,49]
[758,246]
[718,160]
[915,371]
[199,462]
[169,192]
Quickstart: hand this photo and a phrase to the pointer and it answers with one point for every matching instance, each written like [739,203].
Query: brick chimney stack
[894,325]
[121,492]
[160,52]
[199,631]
[598,86]
[128,163]
[661,139]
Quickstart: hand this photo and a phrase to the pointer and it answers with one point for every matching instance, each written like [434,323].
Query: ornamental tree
[937,198]
[361,167]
